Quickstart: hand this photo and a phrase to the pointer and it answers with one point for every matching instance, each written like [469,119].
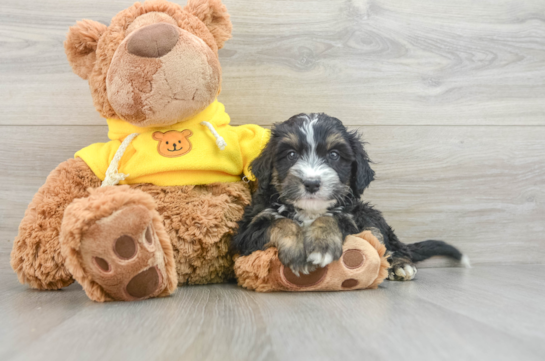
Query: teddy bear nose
[153,41]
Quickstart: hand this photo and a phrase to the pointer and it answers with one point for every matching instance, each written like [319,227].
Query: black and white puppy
[310,177]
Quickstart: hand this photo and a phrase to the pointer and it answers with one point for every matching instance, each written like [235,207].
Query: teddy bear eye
[179,141]
[167,142]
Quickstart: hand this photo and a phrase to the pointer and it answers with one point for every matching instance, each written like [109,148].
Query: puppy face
[313,162]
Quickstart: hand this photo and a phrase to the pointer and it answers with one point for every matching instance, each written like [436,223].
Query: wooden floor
[484,313]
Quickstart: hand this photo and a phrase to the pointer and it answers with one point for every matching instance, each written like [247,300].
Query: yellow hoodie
[181,154]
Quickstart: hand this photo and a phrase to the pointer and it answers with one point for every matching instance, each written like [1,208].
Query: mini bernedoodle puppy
[310,177]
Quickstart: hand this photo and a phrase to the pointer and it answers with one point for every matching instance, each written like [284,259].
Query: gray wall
[448,94]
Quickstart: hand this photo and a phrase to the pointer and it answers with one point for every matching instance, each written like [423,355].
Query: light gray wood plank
[435,317]
[526,289]
[366,62]
[29,314]
[479,188]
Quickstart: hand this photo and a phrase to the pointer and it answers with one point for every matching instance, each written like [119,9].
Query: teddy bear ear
[214,15]
[81,45]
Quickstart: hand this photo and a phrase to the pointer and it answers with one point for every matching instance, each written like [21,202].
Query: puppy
[310,177]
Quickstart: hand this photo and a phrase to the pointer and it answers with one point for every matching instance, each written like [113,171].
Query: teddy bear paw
[123,255]
[348,273]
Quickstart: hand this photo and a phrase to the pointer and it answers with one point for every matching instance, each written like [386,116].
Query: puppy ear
[81,45]
[362,174]
[262,168]
[214,15]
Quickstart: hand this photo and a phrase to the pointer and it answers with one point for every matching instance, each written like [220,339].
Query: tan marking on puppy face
[291,139]
[333,140]
[274,180]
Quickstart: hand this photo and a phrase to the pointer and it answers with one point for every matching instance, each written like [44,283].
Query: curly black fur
[281,189]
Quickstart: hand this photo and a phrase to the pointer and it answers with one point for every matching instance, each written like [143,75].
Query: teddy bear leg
[36,256]
[116,247]
[200,221]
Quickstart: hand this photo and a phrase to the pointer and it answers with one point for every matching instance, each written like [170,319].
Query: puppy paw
[320,259]
[320,254]
[287,236]
[291,252]
[323,242]
[402,271]
[294,257]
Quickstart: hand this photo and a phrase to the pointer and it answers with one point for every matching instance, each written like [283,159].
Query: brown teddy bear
[154,75]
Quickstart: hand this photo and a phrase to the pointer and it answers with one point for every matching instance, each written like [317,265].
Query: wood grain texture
[485,313]
[365,61]
[479,188]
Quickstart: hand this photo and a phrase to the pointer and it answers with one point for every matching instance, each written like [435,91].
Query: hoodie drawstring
[220,142]
[113,177]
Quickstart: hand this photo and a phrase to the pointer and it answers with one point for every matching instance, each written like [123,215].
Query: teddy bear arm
[36,256]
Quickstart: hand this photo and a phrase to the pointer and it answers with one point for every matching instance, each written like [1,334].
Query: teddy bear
[154,207]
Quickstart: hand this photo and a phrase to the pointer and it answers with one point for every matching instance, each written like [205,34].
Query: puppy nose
[153,41]
[312,185]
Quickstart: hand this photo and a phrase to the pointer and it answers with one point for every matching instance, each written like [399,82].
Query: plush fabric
[153,71]
[123,24]
[205,163]
[146,90]
[36,256]
[198,222]
[82,239]
[364,265]
[81,45]
[214,15]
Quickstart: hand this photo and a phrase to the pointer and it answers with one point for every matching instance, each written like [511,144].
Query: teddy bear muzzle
[162,74]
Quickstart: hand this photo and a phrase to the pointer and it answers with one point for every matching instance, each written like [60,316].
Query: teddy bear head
[156,63]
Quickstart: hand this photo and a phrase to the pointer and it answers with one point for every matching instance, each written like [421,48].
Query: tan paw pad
[123,255]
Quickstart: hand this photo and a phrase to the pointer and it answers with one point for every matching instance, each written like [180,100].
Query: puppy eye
[334,155]
[292,155]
